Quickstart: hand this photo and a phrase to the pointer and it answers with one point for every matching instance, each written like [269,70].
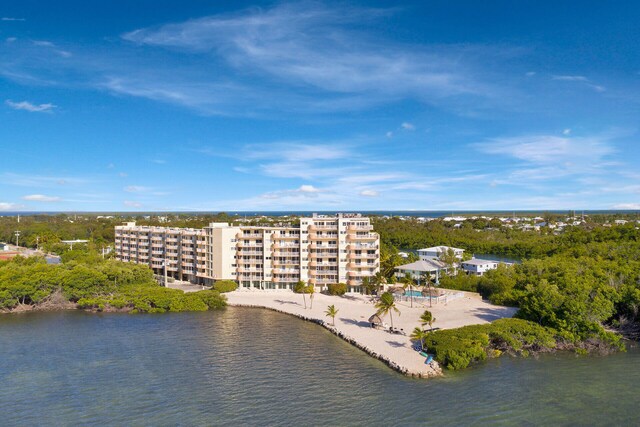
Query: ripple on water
[243,366]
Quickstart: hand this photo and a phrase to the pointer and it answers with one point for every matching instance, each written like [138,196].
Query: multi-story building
[321,250]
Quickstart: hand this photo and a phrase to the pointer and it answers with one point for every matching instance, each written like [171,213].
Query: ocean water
[242,366]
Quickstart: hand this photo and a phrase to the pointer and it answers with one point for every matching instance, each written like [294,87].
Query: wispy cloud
[33,108]
[297,57]
[132,204]
[135,189]
[408,126]
[627,206]
[369,193]
[40,181]
[580,79]
[549,149]
[41,198]
[9,19]
[6,206]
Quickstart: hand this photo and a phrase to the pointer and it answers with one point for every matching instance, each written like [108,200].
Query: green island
[577,289]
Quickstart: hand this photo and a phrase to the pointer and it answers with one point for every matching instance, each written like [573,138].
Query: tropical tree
[407,282]
[425,277]
[449,259]
[367,285]
[311,290]
[379,280]
[387,305]
[419,335]
[332,311]
[300,288]
[427,319]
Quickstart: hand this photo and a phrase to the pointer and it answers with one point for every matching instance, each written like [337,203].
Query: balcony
[286,262]
[246,253]
[249,245]
[313,227]
[285,236]
[355,228]
[284,245]
[315,245]
[362,236]
[352,246]
[324,255]
[285,271]
[248,236]
[249,270]
[315,236]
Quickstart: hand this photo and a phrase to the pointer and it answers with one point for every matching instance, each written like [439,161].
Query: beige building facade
[321,250]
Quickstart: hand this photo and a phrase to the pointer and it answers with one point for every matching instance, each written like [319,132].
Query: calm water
[255,367]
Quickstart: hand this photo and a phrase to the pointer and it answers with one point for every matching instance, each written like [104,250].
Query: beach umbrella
[375,319]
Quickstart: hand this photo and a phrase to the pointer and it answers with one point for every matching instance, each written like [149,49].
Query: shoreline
[434,369]
[351,322]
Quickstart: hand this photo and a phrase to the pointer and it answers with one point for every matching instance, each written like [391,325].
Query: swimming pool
[413,294]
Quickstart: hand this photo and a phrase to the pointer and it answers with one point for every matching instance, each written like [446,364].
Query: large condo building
[321,250]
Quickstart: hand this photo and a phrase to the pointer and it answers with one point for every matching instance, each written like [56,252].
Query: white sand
[354,312]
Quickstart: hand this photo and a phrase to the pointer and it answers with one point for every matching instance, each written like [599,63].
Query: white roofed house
[478,267]
[417,269]
[436,252]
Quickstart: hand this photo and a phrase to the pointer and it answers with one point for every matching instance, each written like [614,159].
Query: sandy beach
[351,322]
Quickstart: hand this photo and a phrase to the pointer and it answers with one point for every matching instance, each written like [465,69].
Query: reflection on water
[255,367]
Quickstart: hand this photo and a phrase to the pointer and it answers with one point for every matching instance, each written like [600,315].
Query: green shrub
[337,288]
[223,286]
[458,348]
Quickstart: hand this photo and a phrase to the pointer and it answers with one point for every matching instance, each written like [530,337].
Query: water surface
[244,366]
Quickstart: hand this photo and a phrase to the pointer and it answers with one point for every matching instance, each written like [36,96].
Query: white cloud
[369,193]
[33,108]
[407,126]
[550,149]
[39,180]
[389,134]
[7,18]
[41,198]
[43,43]
[627,206]
[304,191]
[580,79]
[123,174]
[132,204]
[530,73]
[10,39]
[5,206]
[308,189]
[571,78]
[135,189]
[566,131]
[303,49]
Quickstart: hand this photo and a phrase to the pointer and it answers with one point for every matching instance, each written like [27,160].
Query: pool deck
[351,322]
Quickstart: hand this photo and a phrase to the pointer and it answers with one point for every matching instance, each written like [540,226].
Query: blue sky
[435,105]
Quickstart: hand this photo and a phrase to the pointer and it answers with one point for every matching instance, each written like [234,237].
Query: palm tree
[301,287]
[367,284]
[379,280]
[426,277]
[312,290]
[387,305]
[420,335]
[427,319]
[407,282]
[332,311]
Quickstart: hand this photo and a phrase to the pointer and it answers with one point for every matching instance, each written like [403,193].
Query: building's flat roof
[439,249]
[479,262]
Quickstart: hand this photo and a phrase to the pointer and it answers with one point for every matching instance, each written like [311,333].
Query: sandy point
[351,322]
